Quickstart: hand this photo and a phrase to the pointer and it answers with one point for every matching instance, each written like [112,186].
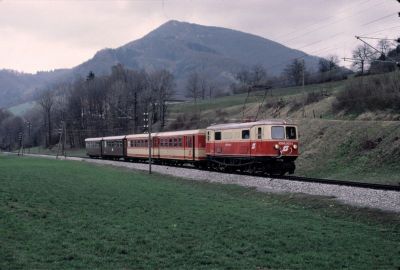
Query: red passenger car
[176,147]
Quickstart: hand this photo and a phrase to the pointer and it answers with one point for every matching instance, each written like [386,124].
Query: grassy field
[75,152]
[72,215]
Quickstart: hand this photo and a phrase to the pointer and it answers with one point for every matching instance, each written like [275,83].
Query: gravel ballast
[361,197]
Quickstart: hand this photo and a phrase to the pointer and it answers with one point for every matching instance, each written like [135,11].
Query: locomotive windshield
[277,132]
[290,133]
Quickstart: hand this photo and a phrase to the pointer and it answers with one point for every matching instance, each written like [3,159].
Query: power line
[334,22]
[382,30]
[390,39]
[380,19]
[326,19]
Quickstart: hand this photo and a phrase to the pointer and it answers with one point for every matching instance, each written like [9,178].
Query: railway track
[290,177]
[341,183]
[306,179]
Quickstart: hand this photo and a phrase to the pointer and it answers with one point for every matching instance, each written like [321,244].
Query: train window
[170,144]
[290,133]
[246,134]
[180,141]
[175,142]
[217,136]
[277,132]
[208,136]
[259,133]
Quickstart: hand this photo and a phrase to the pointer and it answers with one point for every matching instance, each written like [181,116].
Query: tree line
[95,106]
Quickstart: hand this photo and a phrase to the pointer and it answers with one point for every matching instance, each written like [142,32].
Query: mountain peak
[180,47]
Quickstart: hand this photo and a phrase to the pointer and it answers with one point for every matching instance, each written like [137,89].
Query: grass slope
[71,215]
[351,150]
[332,145]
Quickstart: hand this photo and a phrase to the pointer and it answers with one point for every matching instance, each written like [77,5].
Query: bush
[370,94]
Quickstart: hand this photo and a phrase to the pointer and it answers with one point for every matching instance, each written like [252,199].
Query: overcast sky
[45,35]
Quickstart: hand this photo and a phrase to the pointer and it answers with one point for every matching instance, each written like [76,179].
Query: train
[265,146]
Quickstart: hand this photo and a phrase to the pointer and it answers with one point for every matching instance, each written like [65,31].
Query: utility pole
[147,124]
[21,145]
[303,83]
[60,132]
[29,124]
[65,139]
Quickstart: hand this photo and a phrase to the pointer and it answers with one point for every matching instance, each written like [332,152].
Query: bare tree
[193,86]
[363,55]
[249,77]
[295,71]
[161,85]
[385,46]
[46,101]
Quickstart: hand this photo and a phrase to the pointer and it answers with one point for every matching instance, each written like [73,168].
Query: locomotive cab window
[246,134]
[217,136]
[259,133]
[291,133]
[277,132]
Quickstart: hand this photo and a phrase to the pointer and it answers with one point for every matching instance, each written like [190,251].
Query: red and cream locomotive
[268,146]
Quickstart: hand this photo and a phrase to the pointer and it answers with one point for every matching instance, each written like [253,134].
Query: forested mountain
[182,48]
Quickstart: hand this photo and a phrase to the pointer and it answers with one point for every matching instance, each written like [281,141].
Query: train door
[245,145]
[209,142]
[256,135]
[189,147]
[194,146]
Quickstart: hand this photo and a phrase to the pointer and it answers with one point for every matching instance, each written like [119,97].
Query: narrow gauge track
[289,177]
[341,182]
[297,178]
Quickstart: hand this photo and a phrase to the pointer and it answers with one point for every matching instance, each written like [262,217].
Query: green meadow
[57,214]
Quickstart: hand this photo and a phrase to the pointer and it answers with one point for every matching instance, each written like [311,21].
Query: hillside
[180,47]
[333,144]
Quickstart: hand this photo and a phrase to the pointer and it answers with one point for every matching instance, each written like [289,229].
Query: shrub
[370,94]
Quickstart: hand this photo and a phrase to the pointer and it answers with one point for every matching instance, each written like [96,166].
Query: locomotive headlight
[276,146]
[294,146]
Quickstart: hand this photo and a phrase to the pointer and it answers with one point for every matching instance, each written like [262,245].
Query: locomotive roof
[167,134]
[249,124]
[142,135]
[111,138]
[93,139]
